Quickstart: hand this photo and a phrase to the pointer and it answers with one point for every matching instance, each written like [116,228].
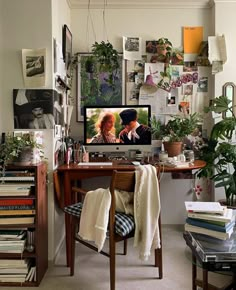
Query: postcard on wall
[132,48]
[193,37]
[152,72]
[34,67]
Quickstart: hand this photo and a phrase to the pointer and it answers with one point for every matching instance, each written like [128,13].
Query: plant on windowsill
[14,148]
[220,151]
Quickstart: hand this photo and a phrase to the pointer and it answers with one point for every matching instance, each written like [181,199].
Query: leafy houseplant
[14,146]
[108,59]
[175,131]
[157,128]
[180,127]
[220,152]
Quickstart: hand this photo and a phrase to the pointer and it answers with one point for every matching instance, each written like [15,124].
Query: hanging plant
[108,59]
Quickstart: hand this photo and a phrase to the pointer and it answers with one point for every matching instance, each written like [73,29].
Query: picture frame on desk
[92,87]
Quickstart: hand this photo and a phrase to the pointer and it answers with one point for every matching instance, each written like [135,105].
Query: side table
[212,255]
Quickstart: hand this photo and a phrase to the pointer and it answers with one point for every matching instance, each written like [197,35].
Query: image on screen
[123,125]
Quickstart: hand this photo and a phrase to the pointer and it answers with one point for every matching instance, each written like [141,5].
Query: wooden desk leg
[194,272]
[68,200]
[204,279]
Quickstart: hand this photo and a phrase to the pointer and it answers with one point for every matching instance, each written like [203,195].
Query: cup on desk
[85,157]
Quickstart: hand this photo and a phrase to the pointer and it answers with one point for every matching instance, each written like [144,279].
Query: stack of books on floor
[209,218]
[13,270]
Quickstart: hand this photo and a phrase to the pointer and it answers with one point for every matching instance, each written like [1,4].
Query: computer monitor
[120,116]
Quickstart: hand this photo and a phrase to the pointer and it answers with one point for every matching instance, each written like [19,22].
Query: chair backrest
[123,180]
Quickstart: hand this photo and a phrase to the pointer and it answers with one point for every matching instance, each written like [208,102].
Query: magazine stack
[209,218]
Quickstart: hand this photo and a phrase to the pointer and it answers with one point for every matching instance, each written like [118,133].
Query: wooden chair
[122,180]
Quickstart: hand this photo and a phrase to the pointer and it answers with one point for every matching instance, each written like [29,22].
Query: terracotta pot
[173,148]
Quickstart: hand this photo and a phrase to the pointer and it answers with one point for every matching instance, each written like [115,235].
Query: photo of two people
[118,125]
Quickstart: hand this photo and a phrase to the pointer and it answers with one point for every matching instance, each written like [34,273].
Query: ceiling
[142,4]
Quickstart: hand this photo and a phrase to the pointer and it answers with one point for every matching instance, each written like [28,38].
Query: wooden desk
[73,172]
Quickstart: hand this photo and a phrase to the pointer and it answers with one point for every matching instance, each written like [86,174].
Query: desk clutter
[210,219]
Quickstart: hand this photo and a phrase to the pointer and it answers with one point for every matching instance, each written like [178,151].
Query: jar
[189,155]
[163,156]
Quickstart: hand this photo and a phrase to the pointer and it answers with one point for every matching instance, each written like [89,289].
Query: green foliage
[220,153]
[14,145]
[157,128]
[107,58]
[179,127]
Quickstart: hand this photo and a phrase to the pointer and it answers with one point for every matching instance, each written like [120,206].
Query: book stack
[13,270]
[17,211]
[209,218]
[15,189]
[12,241]
[17,175]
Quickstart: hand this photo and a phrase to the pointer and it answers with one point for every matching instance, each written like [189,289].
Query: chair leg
[112,264]
[72,247]
[158,262]
[125,247]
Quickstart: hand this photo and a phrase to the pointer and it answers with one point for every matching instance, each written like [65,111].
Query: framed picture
[66,45]
[93,87]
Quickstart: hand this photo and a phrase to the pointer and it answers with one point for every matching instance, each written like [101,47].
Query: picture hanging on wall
[66,45]
[37,109]
[94,87]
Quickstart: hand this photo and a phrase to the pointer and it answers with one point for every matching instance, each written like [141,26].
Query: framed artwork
[66,45]
[93,87]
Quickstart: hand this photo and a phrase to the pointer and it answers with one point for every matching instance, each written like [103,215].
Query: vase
[203,189]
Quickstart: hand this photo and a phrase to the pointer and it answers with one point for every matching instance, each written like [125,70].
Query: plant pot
[173,148]
[25,157]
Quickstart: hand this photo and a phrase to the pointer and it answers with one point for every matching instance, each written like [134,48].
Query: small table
[212,255]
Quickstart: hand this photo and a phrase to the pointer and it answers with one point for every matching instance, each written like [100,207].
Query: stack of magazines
[209,218]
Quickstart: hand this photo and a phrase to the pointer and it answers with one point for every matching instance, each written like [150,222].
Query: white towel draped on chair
[95,215]
[146,210]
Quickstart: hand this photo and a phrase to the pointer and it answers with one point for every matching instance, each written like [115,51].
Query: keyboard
[95,164]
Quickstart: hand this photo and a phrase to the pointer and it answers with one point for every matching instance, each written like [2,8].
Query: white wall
[1,63]
[149,24]
[60,16]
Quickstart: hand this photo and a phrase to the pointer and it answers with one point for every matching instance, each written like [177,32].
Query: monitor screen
[117,128]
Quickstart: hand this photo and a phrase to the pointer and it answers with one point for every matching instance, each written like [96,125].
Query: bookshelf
[36,231]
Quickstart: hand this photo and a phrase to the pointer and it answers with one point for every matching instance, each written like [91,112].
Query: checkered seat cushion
[124,223]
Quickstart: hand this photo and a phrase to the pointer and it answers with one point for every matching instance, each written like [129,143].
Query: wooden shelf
[40,228]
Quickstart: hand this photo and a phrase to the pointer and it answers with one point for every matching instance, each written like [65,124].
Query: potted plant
[220,152]
[177,129]
[14,148]
[108,59]
[157,131]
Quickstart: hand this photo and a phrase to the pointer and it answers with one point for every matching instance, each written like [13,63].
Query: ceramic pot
[25,157]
